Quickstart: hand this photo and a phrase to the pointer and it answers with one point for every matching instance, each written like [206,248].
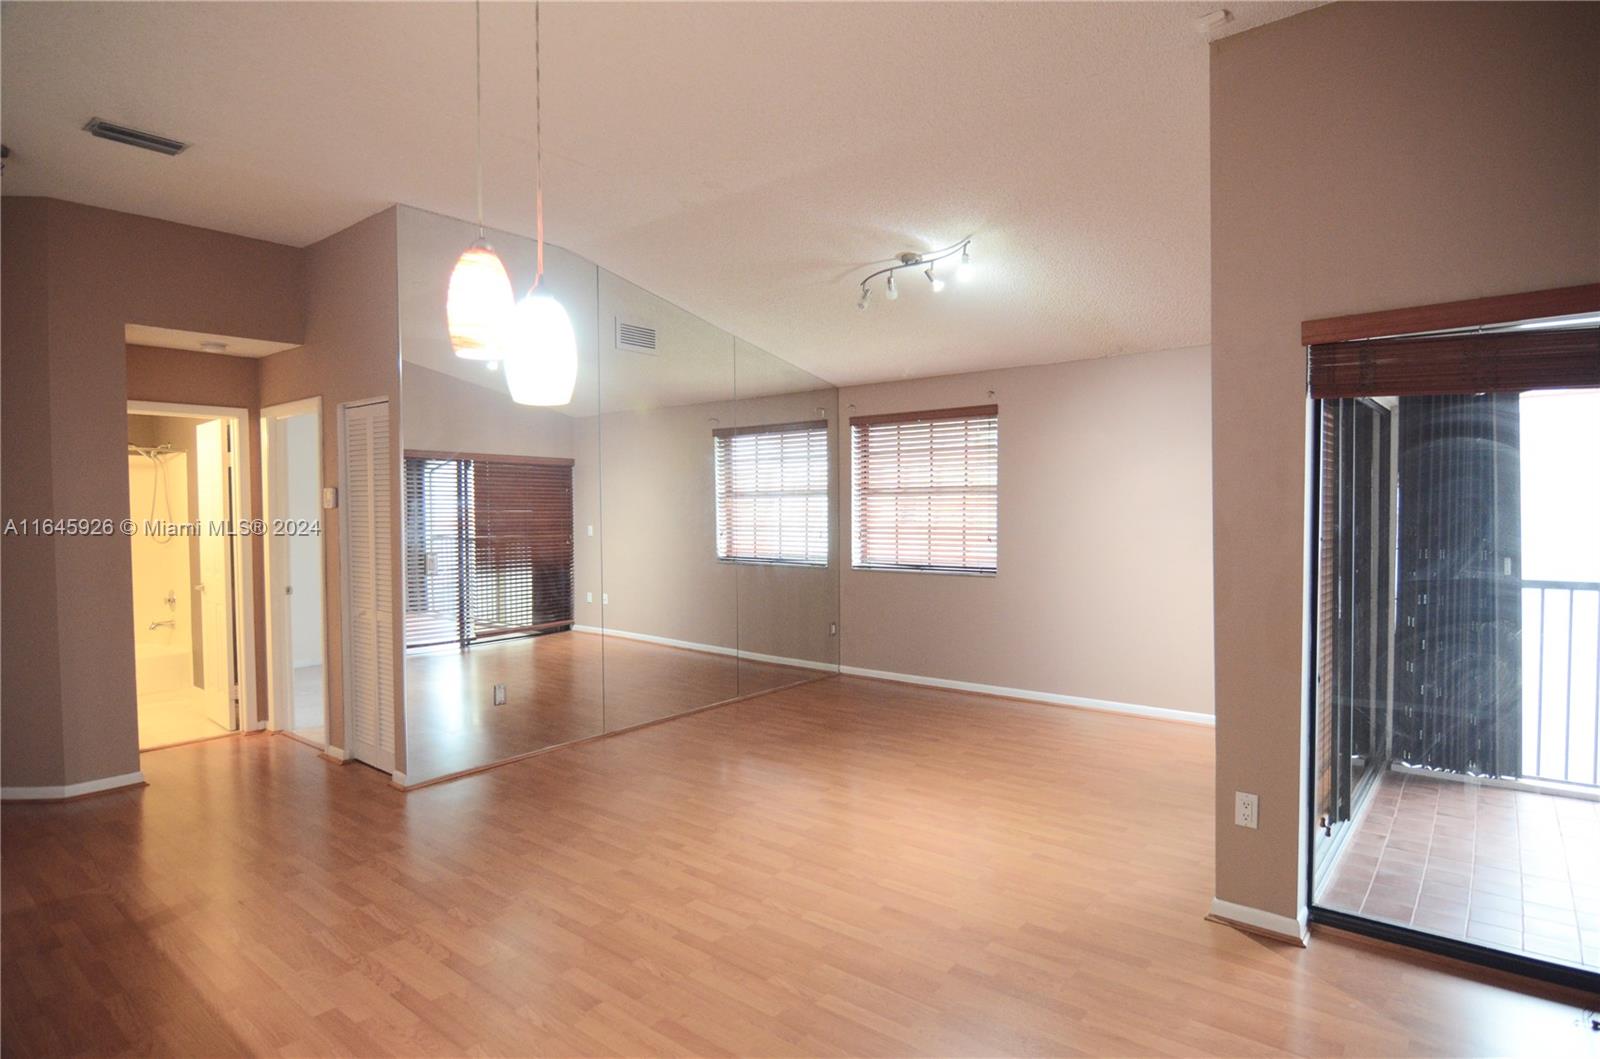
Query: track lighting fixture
[926,262]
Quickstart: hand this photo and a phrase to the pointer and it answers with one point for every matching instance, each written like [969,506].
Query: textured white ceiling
[749,161]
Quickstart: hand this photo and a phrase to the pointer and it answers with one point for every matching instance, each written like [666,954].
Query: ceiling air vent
[133,137]
[636,337]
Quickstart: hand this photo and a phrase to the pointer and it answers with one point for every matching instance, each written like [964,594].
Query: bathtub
[162,667]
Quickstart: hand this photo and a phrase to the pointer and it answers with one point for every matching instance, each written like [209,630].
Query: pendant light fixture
[541,348]
[478,303]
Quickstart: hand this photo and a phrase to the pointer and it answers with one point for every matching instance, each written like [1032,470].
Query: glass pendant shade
[541,353]
[479,303]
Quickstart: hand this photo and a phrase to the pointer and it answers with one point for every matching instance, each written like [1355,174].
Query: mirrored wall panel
[662,542]
[500,526]
[670,607]
[777,518]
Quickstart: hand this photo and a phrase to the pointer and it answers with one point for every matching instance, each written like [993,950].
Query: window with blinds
[925,490]
[772,493]
[488,547]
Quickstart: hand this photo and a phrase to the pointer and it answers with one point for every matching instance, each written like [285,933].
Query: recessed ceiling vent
[636,337]
[134,138]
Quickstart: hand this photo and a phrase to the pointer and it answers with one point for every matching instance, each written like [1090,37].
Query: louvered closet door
[368,576]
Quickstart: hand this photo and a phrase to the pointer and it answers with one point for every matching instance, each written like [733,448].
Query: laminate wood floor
[843,868]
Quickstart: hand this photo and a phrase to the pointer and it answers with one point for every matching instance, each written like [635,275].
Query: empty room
[764,528]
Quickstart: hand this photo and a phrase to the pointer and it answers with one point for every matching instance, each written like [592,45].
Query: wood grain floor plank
[843,868]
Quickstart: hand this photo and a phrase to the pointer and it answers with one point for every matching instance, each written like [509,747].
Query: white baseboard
[337,753]
[1290,930]
[397,778]
[709,648]
[71,790]
[1106,705]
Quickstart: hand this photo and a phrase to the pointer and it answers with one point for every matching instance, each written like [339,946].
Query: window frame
[938,415]
[725,435]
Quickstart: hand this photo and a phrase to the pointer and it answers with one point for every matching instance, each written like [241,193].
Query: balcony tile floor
[1510,869]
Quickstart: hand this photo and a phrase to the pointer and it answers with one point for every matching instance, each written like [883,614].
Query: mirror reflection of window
[772,493]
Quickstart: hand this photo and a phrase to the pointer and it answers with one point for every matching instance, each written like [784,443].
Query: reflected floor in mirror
[555,695]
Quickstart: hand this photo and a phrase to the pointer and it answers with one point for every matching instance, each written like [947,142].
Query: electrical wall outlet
[499,694]
[605,599]
[833,628]
[1246,810]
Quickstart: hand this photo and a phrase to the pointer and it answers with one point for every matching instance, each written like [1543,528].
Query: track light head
[965,270]
[889,290]
[934,281]
[866,292]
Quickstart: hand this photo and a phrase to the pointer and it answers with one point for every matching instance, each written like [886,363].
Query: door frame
[243,609]
[278,659]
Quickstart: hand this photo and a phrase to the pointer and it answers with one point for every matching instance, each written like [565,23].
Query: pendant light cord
[538,152]
[477,113]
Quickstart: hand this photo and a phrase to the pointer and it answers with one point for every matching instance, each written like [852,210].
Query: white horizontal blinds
[772,492]
[436,523]
[368,576]
[925,490]
[521,547]
[488,546]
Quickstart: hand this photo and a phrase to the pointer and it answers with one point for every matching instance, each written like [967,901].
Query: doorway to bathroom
[190,568]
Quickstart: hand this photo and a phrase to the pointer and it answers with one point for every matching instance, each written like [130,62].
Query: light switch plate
[588,597]
[330,497]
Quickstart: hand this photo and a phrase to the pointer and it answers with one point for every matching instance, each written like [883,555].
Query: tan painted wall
[351,353]
[184,377]
[31,745]
[68,711]
[1364,157]
[445,414]
[658,543]
[1104,584]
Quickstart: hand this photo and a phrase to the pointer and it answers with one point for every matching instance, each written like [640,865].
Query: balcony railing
[1561,681]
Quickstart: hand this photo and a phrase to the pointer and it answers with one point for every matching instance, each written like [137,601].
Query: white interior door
[211,459]
[368,584]
[280,669]
[291,442]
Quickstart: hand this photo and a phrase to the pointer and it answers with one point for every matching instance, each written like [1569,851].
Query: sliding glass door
[1456,697]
